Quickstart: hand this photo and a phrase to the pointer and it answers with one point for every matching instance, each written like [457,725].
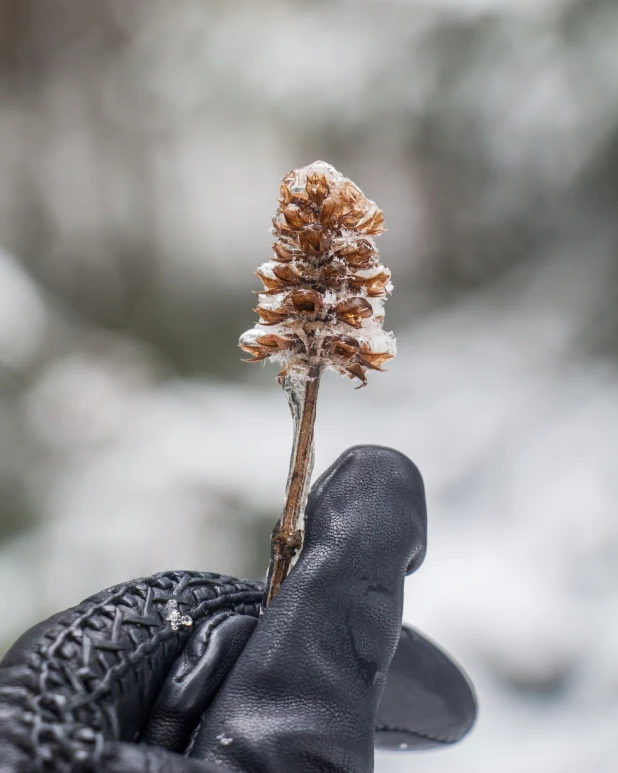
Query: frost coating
[324,288]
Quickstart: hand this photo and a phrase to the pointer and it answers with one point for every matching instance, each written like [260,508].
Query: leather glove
[174,674]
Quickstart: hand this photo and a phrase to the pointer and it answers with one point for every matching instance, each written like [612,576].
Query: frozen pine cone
[324,289]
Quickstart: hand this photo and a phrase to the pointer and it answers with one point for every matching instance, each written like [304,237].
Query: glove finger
[428,700]
[194,679]
[128,758]
[304,694]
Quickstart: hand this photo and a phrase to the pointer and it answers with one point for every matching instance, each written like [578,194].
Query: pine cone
[324,289]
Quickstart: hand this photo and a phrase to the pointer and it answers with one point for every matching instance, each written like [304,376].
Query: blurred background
[141,145]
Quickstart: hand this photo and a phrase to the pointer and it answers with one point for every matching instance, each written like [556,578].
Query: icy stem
[301,390]
[294,385]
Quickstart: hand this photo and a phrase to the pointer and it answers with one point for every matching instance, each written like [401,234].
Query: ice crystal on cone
[324,288]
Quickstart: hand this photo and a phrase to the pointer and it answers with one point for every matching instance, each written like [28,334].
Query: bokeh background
[141,144]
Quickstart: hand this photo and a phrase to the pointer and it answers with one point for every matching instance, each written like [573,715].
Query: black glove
[173,673]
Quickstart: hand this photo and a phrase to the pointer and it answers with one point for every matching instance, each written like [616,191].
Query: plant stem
[287,536]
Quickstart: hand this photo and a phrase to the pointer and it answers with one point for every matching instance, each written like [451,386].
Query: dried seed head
[324,289]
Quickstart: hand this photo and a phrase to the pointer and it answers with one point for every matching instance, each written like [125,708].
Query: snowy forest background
[141,144]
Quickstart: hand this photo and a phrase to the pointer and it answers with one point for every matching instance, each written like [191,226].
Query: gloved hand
[174,674]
